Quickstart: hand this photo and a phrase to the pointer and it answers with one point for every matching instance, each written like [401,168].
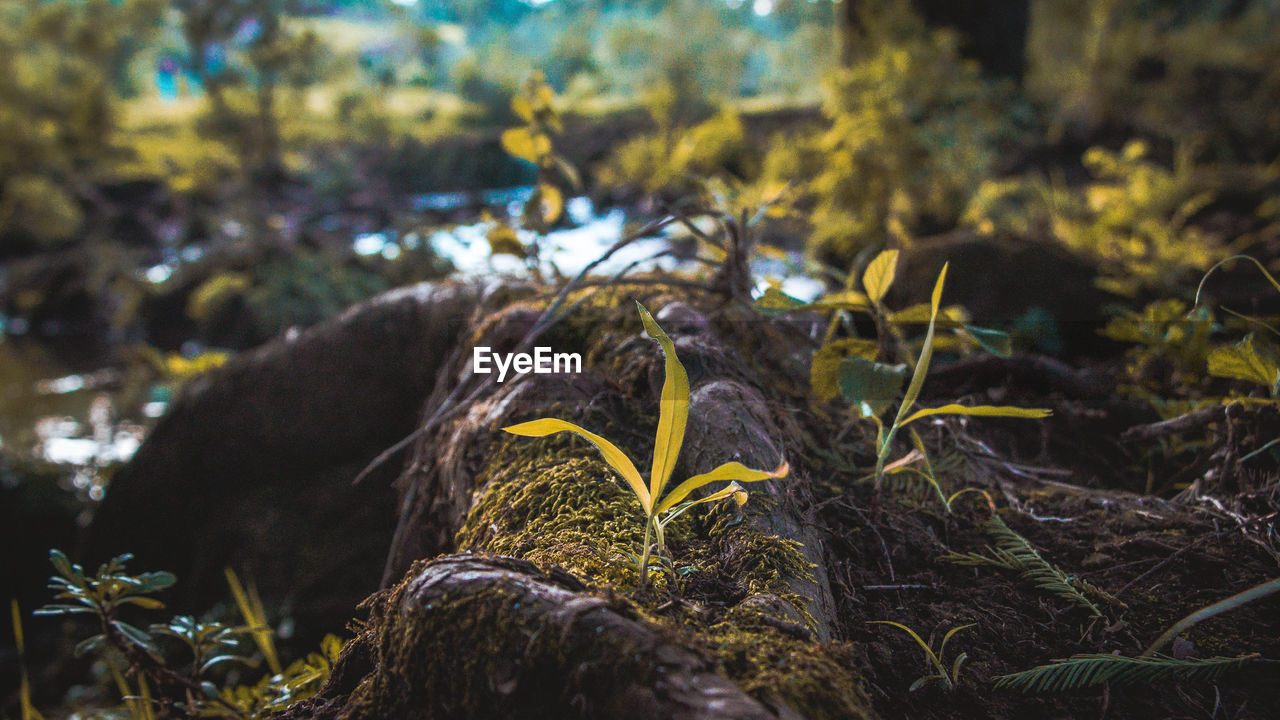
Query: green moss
[423,673]
[816,680]
[565,512]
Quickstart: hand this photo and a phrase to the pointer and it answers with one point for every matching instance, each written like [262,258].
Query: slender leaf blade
[612,455]
[673,414]
[926,353]
[980,411]
[734,471]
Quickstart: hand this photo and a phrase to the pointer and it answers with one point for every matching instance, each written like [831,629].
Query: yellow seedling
[659,506]
[28,708]
[255,618]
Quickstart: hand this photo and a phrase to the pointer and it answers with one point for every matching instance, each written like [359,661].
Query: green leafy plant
[1091,670]
[948,677]
[876,279]
[659,506]
[871,386]
[1179,349]
[850,366]
[104,596]
[131,652]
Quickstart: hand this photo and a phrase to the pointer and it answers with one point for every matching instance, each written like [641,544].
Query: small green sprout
[872,385]
[660,509]
[104,596]
[949,678]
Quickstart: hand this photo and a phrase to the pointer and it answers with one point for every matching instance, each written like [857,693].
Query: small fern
[1090,670]
[1013,552]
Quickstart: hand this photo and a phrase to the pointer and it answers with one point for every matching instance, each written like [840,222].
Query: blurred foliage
[1134,216]
[913,129]
[1169,348]
[58,61]
[532,142]
[1199,72]
[675,162]
[185,684]
[305,288]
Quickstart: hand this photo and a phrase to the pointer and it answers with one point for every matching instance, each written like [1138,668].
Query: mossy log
[493,637]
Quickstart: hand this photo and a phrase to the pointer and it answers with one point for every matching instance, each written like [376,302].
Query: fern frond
[1089,588]
[973,559]
[1013,552]
[1090,670]
[912,485]
[1013,549]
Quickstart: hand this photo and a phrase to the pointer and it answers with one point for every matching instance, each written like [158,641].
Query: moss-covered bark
[743,593]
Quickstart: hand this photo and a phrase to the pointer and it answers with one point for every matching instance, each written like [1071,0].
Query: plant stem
[644,555]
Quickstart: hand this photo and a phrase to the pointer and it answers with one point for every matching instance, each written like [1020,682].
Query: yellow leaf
[823,371]
[775,301]
[937,288]
[733,490]
[523,109]
[772,253]
[673,413]
[948,317]
[526,144]
[612,455]
[255,616]
[1246,360]
[27,707]
[879,275]
[504,241]
[16,618]
[729,471]
[980,410]
[551,203]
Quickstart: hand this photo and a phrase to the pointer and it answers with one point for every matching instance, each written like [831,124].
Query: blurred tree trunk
[993,32]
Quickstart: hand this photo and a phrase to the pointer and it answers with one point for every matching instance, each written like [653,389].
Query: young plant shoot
[660,507]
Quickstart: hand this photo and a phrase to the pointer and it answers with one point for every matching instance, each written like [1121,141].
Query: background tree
[993,32]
